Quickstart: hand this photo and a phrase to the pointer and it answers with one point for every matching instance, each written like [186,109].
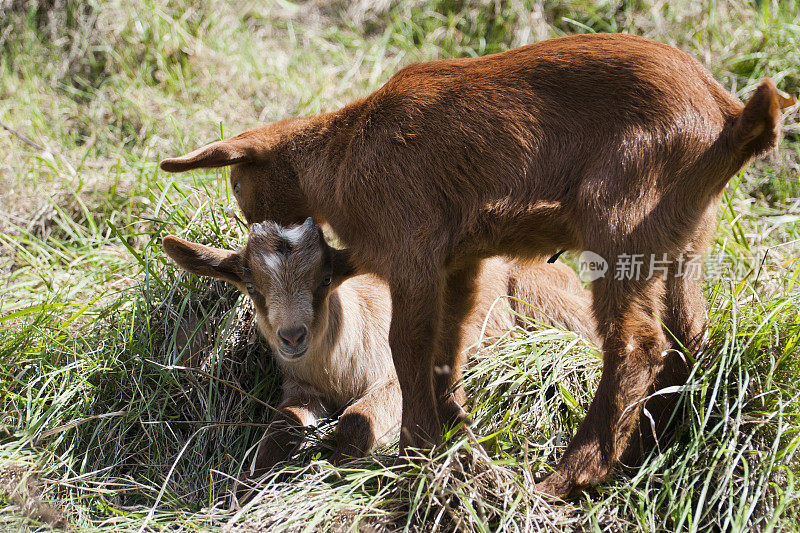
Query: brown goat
[610,143]
[329,332]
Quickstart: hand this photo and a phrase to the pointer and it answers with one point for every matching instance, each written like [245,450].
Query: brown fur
[610,143]
[346,365]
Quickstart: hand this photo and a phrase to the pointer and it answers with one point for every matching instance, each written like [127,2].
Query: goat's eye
[237,188]
[250,288]
[326,280]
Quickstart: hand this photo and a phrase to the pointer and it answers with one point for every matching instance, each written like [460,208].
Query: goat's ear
[216,154]
[341,265]
[204,260]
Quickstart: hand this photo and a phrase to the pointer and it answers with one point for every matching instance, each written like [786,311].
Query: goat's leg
[685,324]
[685,313]
[416,310]
[283,436]
[368,422]
[449,357]
[633,348]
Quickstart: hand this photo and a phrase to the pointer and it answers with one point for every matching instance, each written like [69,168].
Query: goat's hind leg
[627,312]
[686,312]
[685,325]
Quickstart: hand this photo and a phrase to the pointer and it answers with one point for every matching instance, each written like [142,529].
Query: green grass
[130,391]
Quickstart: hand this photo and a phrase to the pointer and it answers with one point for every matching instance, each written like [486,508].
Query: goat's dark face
[268,190]
[262,176]
[288,274]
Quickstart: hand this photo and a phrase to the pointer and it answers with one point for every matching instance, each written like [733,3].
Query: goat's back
[548,138]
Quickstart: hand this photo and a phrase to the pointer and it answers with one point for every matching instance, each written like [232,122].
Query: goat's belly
[529,233]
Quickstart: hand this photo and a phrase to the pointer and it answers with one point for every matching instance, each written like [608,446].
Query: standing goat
[329,332]
[610,143]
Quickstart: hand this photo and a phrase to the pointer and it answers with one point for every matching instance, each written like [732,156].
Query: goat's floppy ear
[204,260]
[216,154]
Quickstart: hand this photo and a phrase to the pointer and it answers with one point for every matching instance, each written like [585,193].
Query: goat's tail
[757,129]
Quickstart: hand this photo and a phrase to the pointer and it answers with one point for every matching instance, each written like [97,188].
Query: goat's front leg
[416,311]
[633,355]
[370,421]
[298,410]
[449,358]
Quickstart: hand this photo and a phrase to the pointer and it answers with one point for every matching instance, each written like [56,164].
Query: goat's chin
[292,355]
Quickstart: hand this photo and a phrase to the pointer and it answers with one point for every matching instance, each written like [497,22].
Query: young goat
[330,334]
[610,143]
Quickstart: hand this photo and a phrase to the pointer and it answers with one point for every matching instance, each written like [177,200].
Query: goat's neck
[335,339]
[315,151]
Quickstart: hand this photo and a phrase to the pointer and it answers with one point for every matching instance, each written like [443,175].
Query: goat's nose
[293,336]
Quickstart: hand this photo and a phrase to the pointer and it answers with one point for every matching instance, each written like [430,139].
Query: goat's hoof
[410,458]
[556,486]
[243,491]
[452,413]
[339,459]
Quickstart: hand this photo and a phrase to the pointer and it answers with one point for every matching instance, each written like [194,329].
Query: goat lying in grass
[329,330]
[610,143]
